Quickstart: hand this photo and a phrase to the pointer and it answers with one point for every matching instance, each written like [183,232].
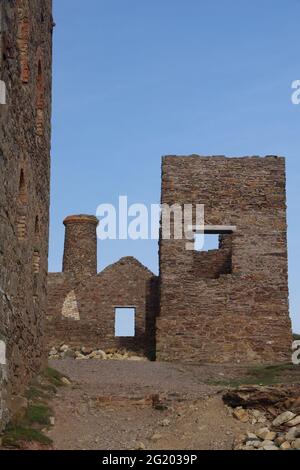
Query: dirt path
[109,406]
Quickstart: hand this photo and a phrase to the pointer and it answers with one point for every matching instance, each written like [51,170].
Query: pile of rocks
[251,416]
[85,353]
[277,407]
[282,434]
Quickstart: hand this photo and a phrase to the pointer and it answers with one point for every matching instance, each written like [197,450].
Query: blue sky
[138,79]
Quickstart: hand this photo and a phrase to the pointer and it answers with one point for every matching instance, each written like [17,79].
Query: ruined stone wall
[213,263]
[26,52]
[239,313]
[81,309]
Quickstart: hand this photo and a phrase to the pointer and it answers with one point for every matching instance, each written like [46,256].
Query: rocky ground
[124,404]
[114,400]
[276,407]
[140,405]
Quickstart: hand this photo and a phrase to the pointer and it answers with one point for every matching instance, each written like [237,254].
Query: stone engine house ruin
[82,304]
[25,108]
[224,305]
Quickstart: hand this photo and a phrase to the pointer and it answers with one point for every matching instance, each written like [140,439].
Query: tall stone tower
[229,304]
[80,253]
[25,111]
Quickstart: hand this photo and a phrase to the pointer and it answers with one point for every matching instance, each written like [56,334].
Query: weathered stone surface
[17,406]
[266,434]
[91,322]
[166,422]
[70,307]
[156,437]
[229,304]
[294,422]
[241,414]
[280,440]
[252,396]
[283,418]
[269,447]
[25,68]
[292,434]
[296,444]
[80,253]
[285,446]
[66,381]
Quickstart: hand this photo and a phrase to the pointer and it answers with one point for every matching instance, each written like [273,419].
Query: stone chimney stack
[80,252]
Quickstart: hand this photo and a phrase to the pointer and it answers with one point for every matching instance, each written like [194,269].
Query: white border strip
[2,353]
[2,92]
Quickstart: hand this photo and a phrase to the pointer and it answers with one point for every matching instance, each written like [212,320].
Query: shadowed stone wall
[230,304]
[81,311]
[25,69]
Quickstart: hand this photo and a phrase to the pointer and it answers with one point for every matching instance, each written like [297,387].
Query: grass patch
[35,393]
[15,435]
[54,377]
[29,427]
[38,414]
[258,375]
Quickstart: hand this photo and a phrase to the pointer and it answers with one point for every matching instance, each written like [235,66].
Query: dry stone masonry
[25,77]
[229,304]
[82,303]
[224,305]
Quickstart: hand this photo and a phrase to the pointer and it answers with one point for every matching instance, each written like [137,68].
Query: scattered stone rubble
[277,408]
[84,353]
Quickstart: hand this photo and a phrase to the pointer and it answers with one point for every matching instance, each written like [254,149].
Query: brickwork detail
[23,38]
[24,190]
[231,304]
[80,254]
[70,307]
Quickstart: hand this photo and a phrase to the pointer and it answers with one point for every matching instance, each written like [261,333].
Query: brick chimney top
[81,218]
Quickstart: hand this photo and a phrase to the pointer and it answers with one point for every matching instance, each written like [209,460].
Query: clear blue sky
[137,79]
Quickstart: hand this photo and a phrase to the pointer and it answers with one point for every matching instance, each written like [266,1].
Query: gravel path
[107,407]
[130,378]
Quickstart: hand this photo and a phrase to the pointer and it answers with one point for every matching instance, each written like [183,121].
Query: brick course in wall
[229,305]
[25,71]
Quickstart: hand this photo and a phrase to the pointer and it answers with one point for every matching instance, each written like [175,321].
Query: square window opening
[206,242]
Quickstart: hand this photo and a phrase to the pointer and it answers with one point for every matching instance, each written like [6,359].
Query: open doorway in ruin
[125,322]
